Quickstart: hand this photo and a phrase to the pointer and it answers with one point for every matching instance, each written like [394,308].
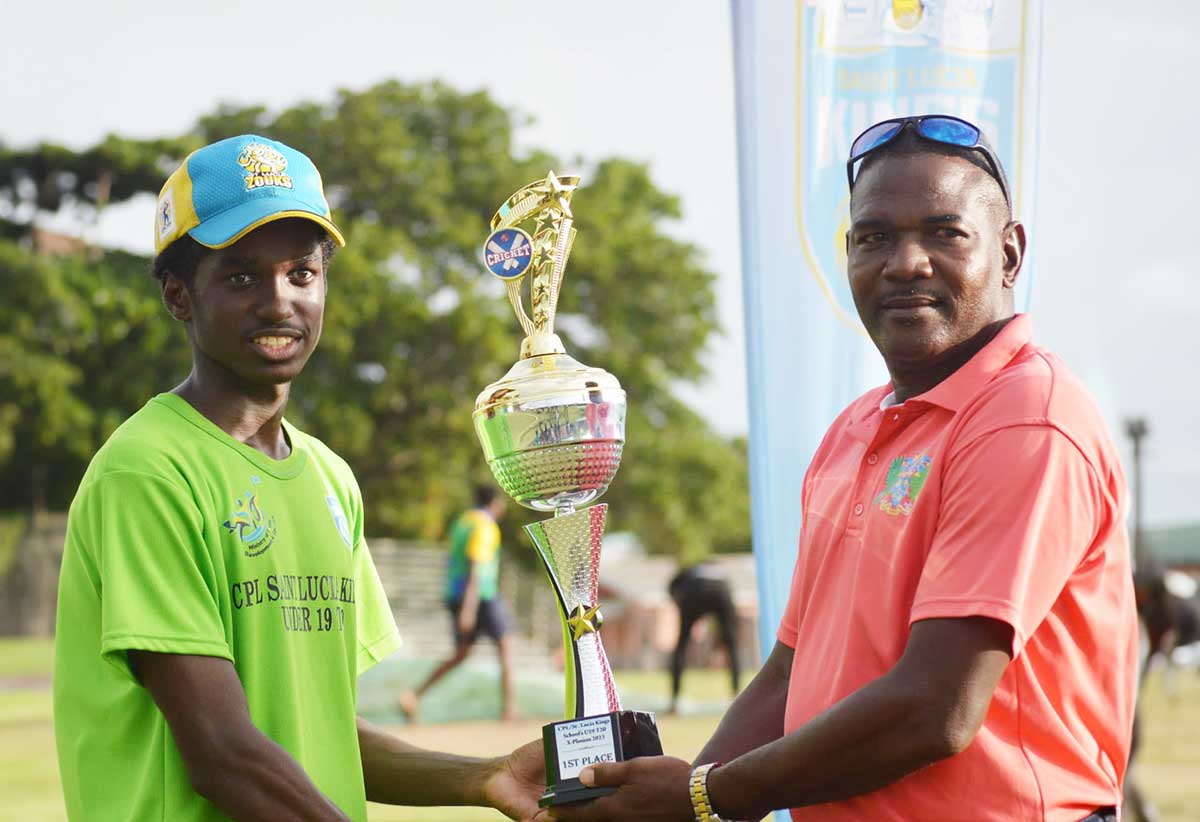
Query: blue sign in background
[811,75]
[842,95]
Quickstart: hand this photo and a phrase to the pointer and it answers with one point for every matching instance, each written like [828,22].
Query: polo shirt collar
[954,391]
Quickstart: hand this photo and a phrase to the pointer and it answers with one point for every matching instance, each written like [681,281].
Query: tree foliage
[414,328]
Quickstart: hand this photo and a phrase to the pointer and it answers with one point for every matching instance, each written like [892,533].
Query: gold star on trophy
[560,194]
[585,621]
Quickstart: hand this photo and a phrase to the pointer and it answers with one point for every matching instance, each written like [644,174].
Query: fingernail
[587,776]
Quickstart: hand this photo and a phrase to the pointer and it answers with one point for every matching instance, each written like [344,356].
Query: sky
[1115,294]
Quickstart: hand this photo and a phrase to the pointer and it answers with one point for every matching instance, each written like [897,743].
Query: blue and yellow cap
[227,189]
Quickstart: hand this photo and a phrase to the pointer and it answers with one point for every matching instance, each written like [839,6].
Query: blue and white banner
[811,75]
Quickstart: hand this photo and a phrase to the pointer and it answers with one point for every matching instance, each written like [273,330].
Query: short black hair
[908,144]
[184,256]
[484,494]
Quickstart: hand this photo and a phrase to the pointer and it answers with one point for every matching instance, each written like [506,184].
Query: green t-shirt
[474,537]
[182,540]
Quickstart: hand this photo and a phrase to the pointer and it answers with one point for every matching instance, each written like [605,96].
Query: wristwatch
[698,788]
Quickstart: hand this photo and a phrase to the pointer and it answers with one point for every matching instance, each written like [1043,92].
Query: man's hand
[651,788]
[518,781]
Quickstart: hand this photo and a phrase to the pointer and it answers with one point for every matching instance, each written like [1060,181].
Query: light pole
[1137,429]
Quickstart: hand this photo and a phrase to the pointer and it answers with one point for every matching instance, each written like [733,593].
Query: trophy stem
[569,546]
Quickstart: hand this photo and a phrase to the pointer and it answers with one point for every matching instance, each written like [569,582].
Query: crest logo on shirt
[250,524]
[905,479]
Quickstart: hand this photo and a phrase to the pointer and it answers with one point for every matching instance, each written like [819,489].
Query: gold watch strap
[698,788]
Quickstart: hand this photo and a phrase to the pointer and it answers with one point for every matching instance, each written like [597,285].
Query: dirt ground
[1168,766]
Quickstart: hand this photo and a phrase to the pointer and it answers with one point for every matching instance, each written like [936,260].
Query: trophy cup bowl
[552,431]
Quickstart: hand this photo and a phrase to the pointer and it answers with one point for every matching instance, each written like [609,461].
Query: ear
[177,298]
[1013,251]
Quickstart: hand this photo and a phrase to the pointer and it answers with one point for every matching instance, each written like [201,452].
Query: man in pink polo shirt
[960,642]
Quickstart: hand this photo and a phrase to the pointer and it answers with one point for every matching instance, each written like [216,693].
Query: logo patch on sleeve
[339,520]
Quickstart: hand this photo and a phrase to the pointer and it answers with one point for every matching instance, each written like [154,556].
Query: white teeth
[273,342]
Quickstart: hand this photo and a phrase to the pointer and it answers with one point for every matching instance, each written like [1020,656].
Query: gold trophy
[552,430]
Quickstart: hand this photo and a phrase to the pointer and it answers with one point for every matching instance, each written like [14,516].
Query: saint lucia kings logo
[250,524]
[264,166]
[905,479]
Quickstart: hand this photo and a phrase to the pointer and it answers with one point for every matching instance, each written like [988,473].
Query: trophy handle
[513,287]
[547,204]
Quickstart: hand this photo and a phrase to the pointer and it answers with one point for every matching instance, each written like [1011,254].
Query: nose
[276,303]
[908,261]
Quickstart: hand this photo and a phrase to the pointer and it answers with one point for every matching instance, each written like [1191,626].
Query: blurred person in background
[1170,614]
[960,640]
[1169,608]
[473,599]
[218,600]
[699,591]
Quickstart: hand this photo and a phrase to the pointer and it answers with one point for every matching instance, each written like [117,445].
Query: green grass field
[29,791]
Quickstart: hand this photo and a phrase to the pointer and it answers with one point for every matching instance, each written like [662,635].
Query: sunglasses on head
[935,128]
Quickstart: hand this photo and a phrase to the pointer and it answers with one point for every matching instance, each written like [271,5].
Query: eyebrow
[936,219]
[249,262]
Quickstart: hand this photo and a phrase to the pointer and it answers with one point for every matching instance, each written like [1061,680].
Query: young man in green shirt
[217,600]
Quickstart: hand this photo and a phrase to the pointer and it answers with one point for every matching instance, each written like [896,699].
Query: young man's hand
[516,784]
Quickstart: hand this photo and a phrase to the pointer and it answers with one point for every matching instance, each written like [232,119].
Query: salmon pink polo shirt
[997,493]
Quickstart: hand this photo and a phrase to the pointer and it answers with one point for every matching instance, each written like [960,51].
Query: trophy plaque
[552,430]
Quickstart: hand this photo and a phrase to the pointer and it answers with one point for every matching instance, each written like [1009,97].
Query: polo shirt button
[895,417]
[872,459]
[858,509]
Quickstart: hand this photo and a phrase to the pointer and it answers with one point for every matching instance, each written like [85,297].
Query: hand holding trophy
[552,431]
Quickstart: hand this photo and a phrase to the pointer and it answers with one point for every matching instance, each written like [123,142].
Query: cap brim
[228,227]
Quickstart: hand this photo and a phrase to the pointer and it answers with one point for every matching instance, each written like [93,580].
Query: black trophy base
[573,744]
